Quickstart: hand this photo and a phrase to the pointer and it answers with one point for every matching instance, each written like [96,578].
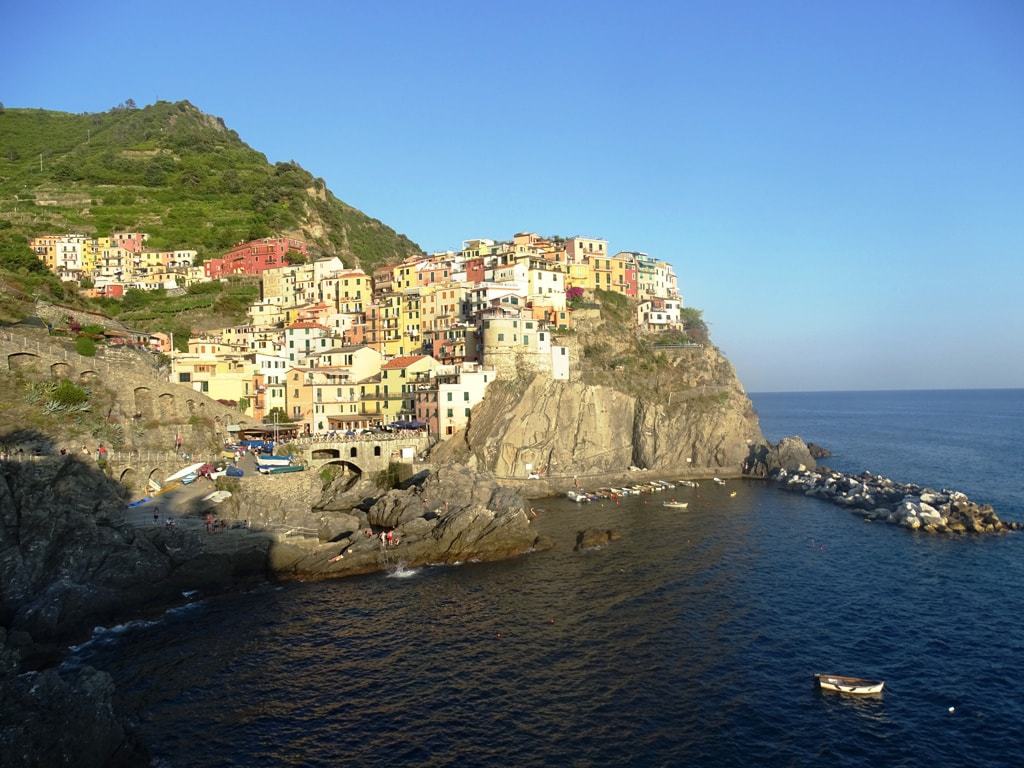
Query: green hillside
[174,172]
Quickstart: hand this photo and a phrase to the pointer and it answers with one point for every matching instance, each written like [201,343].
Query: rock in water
[594,538]
[790,454]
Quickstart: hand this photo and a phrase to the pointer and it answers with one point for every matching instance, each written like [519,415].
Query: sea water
[691,641]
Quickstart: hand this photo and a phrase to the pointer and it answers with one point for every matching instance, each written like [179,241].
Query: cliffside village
[331,348]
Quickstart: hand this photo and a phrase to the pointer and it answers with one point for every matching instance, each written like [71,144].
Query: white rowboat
[855,685]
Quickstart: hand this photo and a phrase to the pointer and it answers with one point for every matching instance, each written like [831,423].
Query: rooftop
[402,362]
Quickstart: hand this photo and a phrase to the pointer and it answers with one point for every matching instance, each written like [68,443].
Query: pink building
[254,257]
[129,241]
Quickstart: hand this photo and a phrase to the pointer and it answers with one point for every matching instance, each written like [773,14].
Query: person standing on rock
[391,538]
[178,441]
[156,515]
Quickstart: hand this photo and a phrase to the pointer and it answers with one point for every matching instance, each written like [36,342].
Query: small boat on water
[675,504]
[718,481]
[855,685]
[579,498]
[732,494]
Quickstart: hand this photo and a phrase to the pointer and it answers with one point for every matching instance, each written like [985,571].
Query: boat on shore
[266,460]
[853,685]
[280,469]
[191,469]
[675,504]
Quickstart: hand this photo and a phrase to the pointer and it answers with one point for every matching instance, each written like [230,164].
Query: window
[467,413]
[563,351]
[541,336]
[501,337]
[449,413]
[376,450]
[353,452]
[296,394]
[449,397]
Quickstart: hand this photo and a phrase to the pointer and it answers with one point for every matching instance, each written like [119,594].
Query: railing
[363,438]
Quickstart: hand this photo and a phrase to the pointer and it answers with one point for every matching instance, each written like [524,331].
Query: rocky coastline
[70,559]
[879,498]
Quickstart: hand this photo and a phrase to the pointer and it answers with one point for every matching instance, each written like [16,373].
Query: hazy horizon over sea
[692,641]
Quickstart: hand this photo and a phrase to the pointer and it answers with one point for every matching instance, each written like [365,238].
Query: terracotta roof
[403,362]
[306,324]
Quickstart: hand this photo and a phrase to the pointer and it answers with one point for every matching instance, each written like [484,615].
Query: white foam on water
[105,635]
[401,572]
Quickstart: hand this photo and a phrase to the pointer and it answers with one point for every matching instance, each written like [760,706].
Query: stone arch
[144,402]
[129,478]
[217,423]
[326,453]
[155,475]
[21,361]
[354,471]
[60,370]
[166,401]
[86,376]
[191,405]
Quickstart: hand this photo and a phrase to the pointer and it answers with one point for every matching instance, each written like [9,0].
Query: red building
[475,270]
[631,290]
[254,257]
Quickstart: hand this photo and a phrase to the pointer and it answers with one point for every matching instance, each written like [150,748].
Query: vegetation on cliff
[172,171]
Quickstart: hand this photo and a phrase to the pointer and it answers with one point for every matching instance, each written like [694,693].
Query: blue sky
[840,186]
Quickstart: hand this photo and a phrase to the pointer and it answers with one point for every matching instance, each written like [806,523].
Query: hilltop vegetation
[172,171]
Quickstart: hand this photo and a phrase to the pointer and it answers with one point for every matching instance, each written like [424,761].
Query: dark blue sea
[690,642]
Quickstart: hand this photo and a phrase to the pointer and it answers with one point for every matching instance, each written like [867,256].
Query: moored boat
[675,504]
[854,685]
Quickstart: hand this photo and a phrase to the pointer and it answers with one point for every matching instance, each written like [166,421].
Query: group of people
[387,538]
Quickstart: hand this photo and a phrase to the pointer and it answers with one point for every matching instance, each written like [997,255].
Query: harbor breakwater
[876,497]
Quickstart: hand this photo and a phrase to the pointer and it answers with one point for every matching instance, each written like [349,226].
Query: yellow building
[441,305]
[229,377]
[383,329]
[395,394]
[409,304]
[348,292]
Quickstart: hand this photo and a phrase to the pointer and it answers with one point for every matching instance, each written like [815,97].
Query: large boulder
[595,538]
[790,454]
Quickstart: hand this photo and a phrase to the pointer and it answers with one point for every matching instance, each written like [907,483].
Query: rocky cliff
[688,413]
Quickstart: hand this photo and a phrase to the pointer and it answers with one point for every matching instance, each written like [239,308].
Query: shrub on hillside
[85,346]
[67,393]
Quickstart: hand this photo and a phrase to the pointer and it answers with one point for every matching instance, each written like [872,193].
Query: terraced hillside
[175,172]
